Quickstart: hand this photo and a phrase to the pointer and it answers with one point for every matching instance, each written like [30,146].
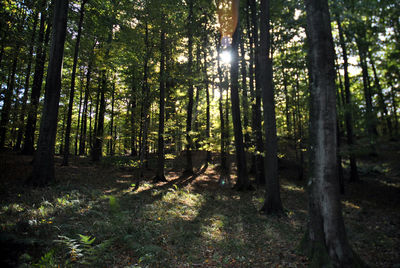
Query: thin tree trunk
[189,145]
[26,87]
[243,182]
[29,137]
[5,111]
[257,117]
[97,151]
[161,158]
[348,109]
[245,102]
[224,175]
[381,98]
[72,88]
[43,168]
[273,203]
[79,116]
[83,138]
[111,141]
[208,119]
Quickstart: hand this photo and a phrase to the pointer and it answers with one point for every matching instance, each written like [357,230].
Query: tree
[43,168]
[189,145]
[72,90]
[161,158]
[243,182]
[273,203]
[325,240]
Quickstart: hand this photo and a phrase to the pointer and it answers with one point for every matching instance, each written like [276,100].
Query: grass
[92,217]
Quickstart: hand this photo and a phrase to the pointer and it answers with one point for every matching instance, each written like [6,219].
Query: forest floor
[92,216]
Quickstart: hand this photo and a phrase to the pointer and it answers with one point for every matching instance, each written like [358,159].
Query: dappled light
[186,133]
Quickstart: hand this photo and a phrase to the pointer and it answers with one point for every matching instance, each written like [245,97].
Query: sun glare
[226,56]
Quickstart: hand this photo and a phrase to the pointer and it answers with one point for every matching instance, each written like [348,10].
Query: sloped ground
[93,216]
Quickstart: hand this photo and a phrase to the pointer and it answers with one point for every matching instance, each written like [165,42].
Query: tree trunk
[208,119]
[189,145]
[111,140]
[348,109]
[79,116]
[381,98]
[245,102]
[224,175]
[97,151]
[82,142]
[325,241]
[243,182]
[273,203]
[43,168]
[370,115]
[161,158]
[43,38]
[26,87]
[5,111]
[257,117]
[72,88]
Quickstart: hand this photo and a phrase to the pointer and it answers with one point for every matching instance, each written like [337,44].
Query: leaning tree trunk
[325,241]
[72,89]
[273,203]
[43,168]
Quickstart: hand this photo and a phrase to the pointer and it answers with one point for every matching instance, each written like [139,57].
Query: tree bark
[273,203]
[43,168]
[72,88]
[325,241]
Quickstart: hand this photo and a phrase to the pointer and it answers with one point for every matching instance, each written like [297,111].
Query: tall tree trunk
[189,145]
[132,118]
[325,240]
[111,140]
[273,203]
[370,114]
[145,112]
[79,116]
[394,108]
[208,119]
[5,111]
[224,176]
[348,109]
[43,38]
[72,88]
[243,182]
[161,158]
[257,117]
[97,150]
[27,80]
[381,98]
[245,102]
[43,168]
[83,138]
